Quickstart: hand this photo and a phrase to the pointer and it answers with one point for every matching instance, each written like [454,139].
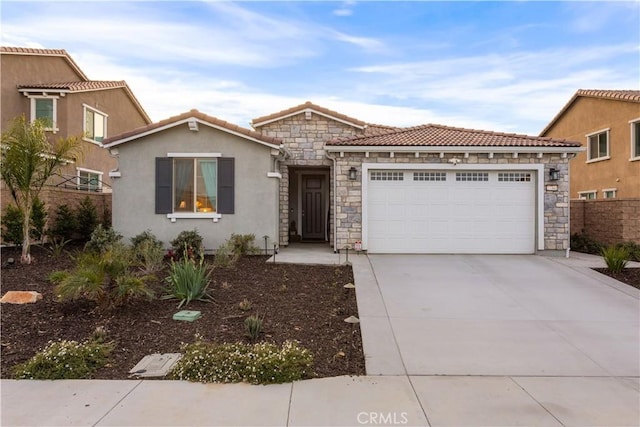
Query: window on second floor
[587,195]
[598,145]
[89,180]
[95,125]
[45,108]
[609,193]
[635,139]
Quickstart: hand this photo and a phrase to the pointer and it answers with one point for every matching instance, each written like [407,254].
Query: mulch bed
[630,276]
[298,302]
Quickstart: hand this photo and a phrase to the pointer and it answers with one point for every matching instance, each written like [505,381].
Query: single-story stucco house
[311,174]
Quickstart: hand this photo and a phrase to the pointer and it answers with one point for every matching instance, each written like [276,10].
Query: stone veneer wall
[349,193]
[304,139]
[608,221]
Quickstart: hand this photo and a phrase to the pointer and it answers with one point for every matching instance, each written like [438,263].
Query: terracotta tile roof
[82,86]
[618,95]
[375,129]
[437,135]
[43,52]
[184,116]
[304,107]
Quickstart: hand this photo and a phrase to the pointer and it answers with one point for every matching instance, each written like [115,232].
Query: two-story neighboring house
[48,84]
[608,122]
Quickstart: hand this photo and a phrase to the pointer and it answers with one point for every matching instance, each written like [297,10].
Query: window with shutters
[195,187]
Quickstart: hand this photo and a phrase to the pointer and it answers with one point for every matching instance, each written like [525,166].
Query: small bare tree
[28,160]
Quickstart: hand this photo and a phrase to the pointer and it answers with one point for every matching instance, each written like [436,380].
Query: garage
[450,211]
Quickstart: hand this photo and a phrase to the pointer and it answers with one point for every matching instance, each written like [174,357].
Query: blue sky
[502,66]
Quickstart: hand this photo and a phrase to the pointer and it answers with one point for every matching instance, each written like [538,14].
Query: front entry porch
[309,204]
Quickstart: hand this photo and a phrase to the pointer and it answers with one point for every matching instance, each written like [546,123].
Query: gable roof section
[197,116]
[82,86]
[432,135]
[308,106]
[617,95]
[5,50]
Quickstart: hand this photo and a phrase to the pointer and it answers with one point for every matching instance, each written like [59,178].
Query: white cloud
[343,12]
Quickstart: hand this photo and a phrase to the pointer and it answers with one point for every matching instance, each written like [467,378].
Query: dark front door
[313,218]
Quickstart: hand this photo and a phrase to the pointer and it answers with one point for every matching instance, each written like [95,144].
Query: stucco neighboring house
[49,84]
[311,174]
[607,174]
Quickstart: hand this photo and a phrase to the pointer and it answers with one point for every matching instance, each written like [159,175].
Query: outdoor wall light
[352,173]
[554,174]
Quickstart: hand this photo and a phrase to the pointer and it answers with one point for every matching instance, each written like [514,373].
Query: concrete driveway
[503,340]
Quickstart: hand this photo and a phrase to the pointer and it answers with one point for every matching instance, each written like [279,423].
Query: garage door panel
[481,212]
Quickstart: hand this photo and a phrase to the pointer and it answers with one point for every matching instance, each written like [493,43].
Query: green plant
[38,219]
[86,218]
[261,363]
[243,244]
[253,326]
[188,243]
[148,251]
[28,158]
[12,225]
[616,258]
[106,278]
[633,249]
[64,223]
[245,305]
[56,246]
[581,242]
[188,280]
[102,238]
[65,360]
[225,257]
[106,217]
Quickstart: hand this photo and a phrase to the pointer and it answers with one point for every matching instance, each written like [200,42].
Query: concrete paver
[171,403]
[479,401]
[585,401]
[60,403]
[353,401]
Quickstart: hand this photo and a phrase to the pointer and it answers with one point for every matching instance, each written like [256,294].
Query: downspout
[335,197]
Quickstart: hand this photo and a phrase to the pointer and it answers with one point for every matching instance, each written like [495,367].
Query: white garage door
[437,211]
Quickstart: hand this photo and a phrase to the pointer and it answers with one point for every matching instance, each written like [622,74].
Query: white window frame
[84,123]
[32,100]
[632,124]
[607,190]
[607,156]
[95,172]
[215,216]
[583,194]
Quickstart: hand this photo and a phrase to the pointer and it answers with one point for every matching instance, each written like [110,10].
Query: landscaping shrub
[225,257]
[38,220]
[188,280]
[86,218]
[64,223]
[581,242]
[106,217]
[616,258]
[633,249]
[102,239]
[104,277]
[188,243]
[243,244]
[148,251]
[65,360]
[262,363]
[253,327]
[12,225]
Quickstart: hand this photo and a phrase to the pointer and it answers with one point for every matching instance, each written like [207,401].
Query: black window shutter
[226,184]
[164,182]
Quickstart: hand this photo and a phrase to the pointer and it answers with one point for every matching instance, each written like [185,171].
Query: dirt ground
[297,302]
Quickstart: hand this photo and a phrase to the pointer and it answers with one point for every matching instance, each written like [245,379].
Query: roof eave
[184,121]
[449,149]
[304,110]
